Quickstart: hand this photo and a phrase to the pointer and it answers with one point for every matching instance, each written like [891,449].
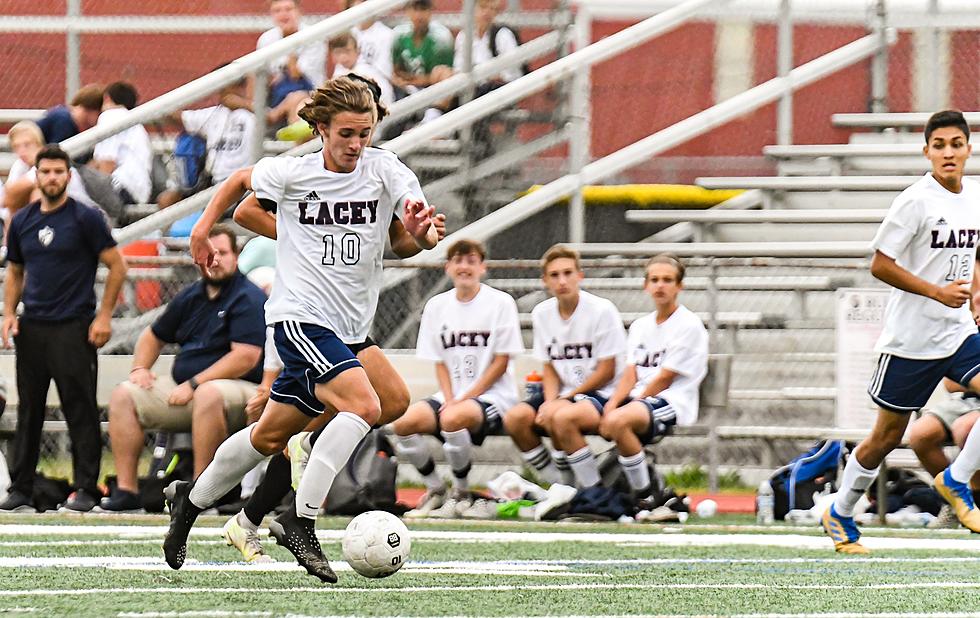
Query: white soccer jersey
[506,41]
[311,58]
[130,150]
[228,134]
[332,229]
[933,234]
[679,344]
[467,336]
[574,347]
[374,46]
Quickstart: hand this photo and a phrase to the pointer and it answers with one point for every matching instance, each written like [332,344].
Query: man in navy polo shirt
[219,324]
[53,249]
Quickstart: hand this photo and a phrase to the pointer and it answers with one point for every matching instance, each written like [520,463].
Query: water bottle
[765,504]
[533,385]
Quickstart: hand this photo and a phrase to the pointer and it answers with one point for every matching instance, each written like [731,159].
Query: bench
[831,215]
[809,183]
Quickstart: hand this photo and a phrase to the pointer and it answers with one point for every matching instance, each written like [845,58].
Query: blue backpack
[794,484]
[190,155]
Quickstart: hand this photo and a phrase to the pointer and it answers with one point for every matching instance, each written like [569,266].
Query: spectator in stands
[346,57]
[127,156]
[374,40]
[54,247]
[470,332]
[219,324]
[581,341]
[64,121]
[292,77]
[422,52]
[489,41]
[26,140]
[227,129]
[666,359]
[949,422]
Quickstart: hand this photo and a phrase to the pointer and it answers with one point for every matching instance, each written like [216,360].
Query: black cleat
[298,535]
[182,516]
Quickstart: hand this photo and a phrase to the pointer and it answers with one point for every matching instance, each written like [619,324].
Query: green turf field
[101,565]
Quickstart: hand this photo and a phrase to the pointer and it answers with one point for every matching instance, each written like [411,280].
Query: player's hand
[255,405]
[202,251]
[439,221]
[609,407]
[142,377]
[181,395]
[100,330]
[417,218]
[448,403]
[954,294]
[10,329]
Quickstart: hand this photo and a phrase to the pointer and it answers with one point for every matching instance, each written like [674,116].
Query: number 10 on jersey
[349,247]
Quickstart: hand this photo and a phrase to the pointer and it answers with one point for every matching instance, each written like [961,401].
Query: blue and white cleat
[959,496]
[843,532]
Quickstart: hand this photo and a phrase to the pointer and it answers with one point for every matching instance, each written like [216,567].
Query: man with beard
[218,322]
[54,247]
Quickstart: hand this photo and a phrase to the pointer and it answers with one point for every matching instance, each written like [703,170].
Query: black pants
[58,351]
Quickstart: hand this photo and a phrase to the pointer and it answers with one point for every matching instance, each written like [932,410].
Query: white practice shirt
[311,58]
[228,134]
[933,234]
[574,347]
[466,337]
[131,151]
[679,344]
[332,229]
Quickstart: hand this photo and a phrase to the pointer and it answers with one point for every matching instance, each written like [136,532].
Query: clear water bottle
[533,385]
[765,505]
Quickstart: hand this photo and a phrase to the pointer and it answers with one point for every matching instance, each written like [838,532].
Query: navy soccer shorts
[310,355]
[904,385]
[492,420]
[662,419]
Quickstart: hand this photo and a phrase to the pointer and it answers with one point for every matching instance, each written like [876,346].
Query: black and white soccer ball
[376,544]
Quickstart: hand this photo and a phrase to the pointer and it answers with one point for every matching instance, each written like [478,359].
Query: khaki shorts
[154,412]
[953,407]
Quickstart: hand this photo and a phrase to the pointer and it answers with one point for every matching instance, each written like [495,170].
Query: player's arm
[13,288]
[886,269]
[663,380]
[626,383]
[550,382]
[403,244]
[487,379]
[253,216]
[17,194]
[229,192]
[974,291]
[605,370]
[146,353]
[445,384]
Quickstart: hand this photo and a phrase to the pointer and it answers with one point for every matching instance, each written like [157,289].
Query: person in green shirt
[422,52]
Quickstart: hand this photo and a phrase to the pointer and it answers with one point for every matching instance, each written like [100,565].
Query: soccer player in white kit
[471,332]
[333,211]
[926,250]
[581,341]
[666,361]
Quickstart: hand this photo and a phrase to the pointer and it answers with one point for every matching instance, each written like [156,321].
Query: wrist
[193,383]
[137,368]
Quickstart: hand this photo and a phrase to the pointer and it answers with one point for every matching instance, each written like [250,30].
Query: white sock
[585,467]
[328,457]
[245,523]
[856,480]
[637,472]
[967,462]
[253,478]
[565,475]
[232,460]
[307,441]
[414,450]
[539,459]
[458,449]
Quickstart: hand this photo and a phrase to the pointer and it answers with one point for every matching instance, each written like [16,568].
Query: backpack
[794,484]
[48,493]
[190,156]
[173,460]
[494,29]
[601,503]
[367,482]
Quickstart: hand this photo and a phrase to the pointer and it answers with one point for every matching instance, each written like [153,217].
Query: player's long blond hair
[349,93]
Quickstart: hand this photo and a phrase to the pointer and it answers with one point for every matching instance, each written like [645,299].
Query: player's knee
[455,419]
[370,410]
[394,406]
[923,436]
[207,400]
[268,442]
[613,425]
[519,419]
[120,403]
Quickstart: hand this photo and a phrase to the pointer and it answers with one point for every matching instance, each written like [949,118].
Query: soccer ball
[376,544]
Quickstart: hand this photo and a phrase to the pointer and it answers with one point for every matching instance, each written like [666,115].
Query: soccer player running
[333,212]
[581,341]
[926,250]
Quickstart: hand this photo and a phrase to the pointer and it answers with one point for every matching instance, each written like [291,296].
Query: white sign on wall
[859,317]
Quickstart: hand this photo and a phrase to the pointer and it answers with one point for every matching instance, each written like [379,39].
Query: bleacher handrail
[808,183]
[830,215]
[895,120]
[212,82]
[815,249]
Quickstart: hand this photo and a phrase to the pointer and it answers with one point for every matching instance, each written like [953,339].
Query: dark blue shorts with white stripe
[310,355]
[904,385]
[662,419]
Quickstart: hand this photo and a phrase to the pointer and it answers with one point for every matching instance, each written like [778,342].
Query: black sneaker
[298,535]
[17,502]
[182,516]
[121,501]
[80,501]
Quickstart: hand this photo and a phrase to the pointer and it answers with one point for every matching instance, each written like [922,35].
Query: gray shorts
[953,407]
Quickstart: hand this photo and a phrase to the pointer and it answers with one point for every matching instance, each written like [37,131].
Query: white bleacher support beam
[816,249]
[896,120]
[212,82]
[857,215]
[840,151]
[810,183]
[16,115]
[580,124]
[663,140]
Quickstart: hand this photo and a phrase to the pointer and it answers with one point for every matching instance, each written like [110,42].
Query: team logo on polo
[45,235]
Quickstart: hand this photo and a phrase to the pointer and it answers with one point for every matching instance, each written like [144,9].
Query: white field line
[794,541]
[218,613]
[492,588]
[208,613]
